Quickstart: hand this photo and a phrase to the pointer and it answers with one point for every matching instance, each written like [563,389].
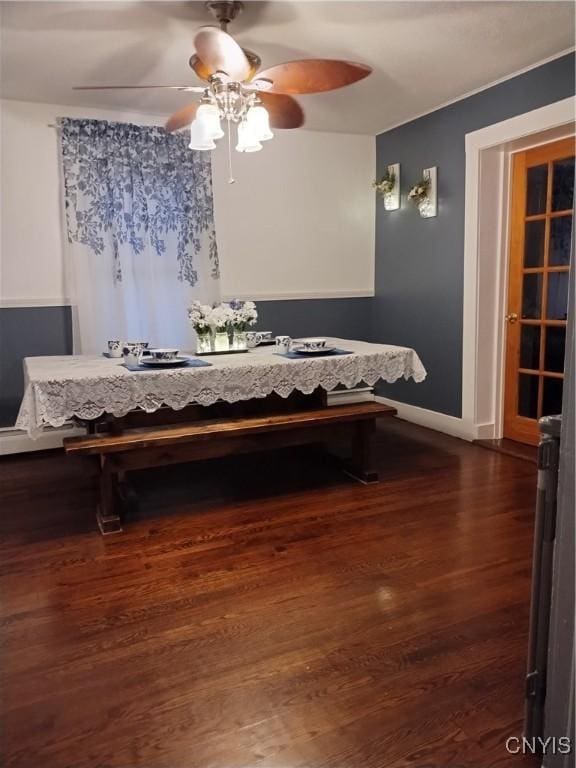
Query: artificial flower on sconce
[423,194]
[389,187]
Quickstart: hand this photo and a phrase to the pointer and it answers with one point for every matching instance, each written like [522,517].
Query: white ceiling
[423,53]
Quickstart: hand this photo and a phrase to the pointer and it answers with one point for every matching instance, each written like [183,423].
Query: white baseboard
[486,432]
[16,441]
[441,422]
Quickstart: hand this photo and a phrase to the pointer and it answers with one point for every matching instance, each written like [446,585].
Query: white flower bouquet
[199,316]
[222,318]
[386,184]
[245,314]
[419,192]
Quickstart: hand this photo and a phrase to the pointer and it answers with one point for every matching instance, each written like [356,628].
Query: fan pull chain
[231,179]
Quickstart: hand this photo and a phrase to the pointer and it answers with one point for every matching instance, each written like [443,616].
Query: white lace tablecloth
[83,386]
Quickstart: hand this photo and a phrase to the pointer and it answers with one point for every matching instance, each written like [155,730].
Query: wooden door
[540,245]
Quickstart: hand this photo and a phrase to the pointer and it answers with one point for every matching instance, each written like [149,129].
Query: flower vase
[221,341]
[203,342]
[239,340]
[425,208]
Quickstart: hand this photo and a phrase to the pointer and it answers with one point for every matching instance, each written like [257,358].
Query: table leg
[361,466]
[107,515]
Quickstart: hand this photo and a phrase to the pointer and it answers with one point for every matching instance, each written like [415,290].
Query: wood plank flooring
[511,448]
[268,611]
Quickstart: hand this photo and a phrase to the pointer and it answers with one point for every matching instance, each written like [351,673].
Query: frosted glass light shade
[248,140]
[259,120]
[199,138]
[208,116]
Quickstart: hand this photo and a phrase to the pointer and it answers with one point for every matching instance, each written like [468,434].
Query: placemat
[308,355]
[193,362]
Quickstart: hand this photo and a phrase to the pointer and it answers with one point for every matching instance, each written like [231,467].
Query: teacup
[163,353]
[283,344]
[115,348]
[253,338]
[312,344]
[132,351]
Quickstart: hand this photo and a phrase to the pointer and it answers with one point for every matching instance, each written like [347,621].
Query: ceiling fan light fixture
[200,138]
[248,140]
[259,122]
[208,115]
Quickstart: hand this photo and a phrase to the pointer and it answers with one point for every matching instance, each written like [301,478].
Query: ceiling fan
[238,93]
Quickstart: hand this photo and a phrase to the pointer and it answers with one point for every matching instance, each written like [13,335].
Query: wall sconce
[424,193]
[389,187]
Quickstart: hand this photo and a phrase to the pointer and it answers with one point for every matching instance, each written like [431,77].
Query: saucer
[163,363]
[321,351]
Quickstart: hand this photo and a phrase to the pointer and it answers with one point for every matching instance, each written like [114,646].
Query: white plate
[163,363]
[322,351]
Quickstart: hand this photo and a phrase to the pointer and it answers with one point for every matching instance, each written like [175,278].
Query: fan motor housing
[204,72]
[224,11]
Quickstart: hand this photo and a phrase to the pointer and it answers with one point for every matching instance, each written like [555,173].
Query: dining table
[86,388]
[210,406]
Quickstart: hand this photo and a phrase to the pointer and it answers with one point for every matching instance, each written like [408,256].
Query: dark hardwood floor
[268,611]
[511,448]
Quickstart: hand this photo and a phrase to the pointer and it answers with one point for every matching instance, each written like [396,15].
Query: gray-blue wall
[419,262]
[26,332]
[342,318]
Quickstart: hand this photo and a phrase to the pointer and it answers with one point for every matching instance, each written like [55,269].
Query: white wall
[298,222]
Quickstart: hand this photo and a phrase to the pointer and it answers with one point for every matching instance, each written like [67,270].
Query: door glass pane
[554,352]
[560,239]
[532,296]
[536,183]
[563,184]
[530,347]
[534,243]
[528,395]
[557,306]
[552,396]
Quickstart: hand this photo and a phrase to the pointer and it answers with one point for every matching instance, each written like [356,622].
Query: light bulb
[259,120]
[208,116]
[199,139]
[247,138]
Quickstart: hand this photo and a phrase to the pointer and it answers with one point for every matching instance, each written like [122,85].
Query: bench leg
[361,466]
[107,515]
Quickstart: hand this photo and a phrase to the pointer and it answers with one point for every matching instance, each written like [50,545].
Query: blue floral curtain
[137,183]
[140,226]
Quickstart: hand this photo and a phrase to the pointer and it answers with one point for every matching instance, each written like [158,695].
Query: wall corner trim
[289,296]
[47,302]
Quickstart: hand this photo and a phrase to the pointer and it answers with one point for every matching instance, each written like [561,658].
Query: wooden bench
[118,453]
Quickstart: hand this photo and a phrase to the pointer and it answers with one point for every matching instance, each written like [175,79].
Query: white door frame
[488,153]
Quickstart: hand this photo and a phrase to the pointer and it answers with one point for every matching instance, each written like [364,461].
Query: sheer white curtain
[140,233]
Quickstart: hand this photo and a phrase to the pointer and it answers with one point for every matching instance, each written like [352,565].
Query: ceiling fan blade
[313,75]
[219,52]
[259,84]
[182,118]
[190,88]
[284,111]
